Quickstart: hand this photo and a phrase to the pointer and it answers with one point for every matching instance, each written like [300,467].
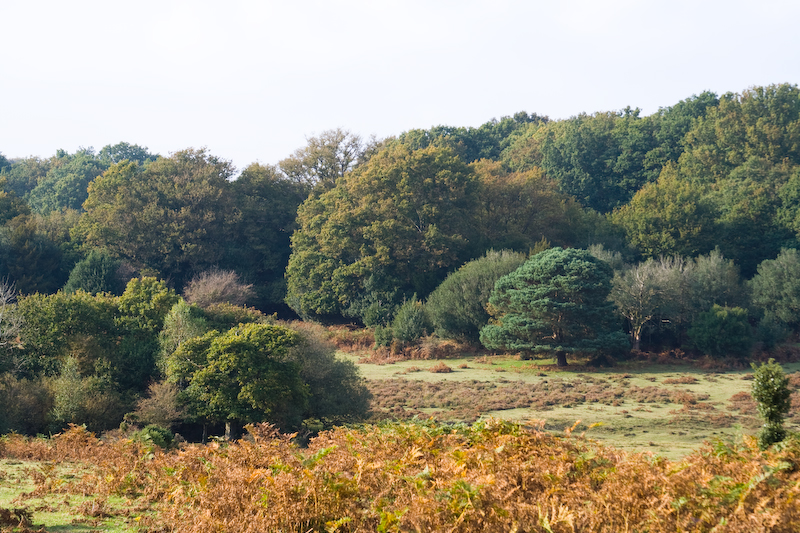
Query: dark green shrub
[771,332]
[411,322]
[98,272]
[383,336]
[722,331]
[161,437]
[457,308]
[771,392]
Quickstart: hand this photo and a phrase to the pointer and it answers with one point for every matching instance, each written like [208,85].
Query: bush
[98,272]
[161,437]
[26,404]
[411,322]
[457,308]
[770,390]
[161,406]
[383,336]
[218,287]
[722,331]
[337,392]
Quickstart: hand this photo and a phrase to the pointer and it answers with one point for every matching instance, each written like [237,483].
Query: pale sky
[252,80]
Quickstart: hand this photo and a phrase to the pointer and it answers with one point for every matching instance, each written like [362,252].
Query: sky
[253,80]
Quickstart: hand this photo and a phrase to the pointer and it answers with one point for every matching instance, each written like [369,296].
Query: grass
[669,410]
[40,488]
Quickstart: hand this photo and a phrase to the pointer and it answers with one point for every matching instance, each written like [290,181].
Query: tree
[97,272]
[325,159]
[259,245]
[773,397]
[556,302]
[518,209]
[669,217]
[457,308]
[639,294]
[111,154]
[401,220]
[722,331]
[776,287]
[66,184]
[243,375]
[171,218]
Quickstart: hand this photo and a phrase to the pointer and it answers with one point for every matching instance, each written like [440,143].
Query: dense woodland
[120,266]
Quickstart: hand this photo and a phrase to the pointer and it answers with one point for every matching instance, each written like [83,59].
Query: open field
[665,409]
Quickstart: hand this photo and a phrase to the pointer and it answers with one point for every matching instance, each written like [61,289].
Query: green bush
[98,272]
[411,322]
[722,331]
[457,308]
[771,392]
[383,336]
[161,437]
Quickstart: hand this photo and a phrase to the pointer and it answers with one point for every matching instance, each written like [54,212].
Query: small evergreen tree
[556,302]
[771,392]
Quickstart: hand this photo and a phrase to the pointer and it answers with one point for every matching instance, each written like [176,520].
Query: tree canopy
[556,302]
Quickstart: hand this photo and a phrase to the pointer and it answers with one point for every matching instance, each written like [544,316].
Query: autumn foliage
[490,476]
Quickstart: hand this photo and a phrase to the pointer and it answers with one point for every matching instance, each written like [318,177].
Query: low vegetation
[490,476]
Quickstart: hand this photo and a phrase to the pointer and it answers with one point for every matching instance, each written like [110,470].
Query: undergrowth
[425,476]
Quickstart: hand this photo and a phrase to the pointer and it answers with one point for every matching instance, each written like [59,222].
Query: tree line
[695,209]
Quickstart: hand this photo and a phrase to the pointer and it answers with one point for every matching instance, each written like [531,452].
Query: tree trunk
[205,433]
[231,430]
[561,358]
[637,339]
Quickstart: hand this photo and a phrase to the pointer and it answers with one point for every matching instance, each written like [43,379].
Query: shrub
[383,336]
[217,287]
[98,272]
[411,322]
[722,331]
[160,436]
[771,391]
[457,308]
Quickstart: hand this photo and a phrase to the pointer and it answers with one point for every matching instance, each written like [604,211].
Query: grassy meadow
[476,442]
[668,409]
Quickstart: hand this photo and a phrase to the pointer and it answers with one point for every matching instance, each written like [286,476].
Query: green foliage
[722,331]
[112,154]
[337,392]
[669,217]
[170,218]
[517,209]
[403,218]
[91,401]
[66,184]
[325,159]
[147,300]
[776,287]
[771,392]
[242,375]
[26,405]
[258,246]
[457,308]
[555,302]
[410,322]
[29,258]
[97,272]
[182,323]
[383,336]
[155,434]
